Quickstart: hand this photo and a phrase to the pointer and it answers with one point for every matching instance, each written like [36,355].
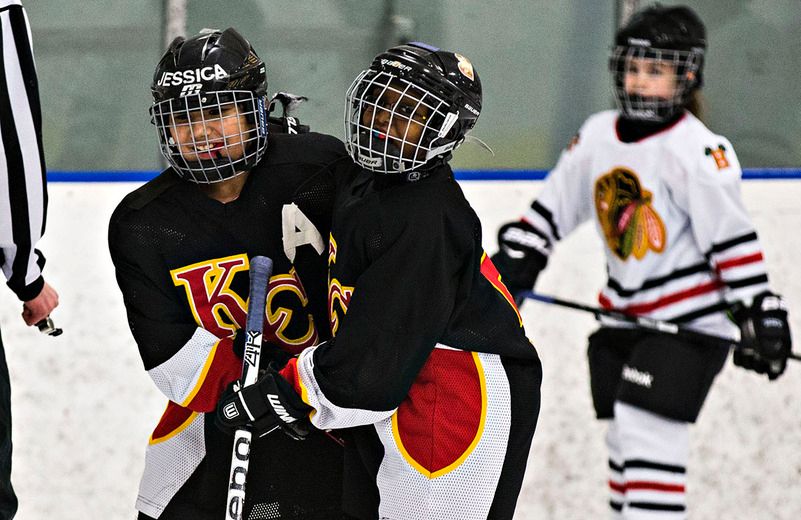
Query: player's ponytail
[696,104]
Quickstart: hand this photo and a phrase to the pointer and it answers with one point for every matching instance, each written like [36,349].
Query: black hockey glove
[765,341]
[523,253]
[268,404]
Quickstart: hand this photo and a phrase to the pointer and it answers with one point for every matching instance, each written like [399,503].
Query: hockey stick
[644,322]
[261,268]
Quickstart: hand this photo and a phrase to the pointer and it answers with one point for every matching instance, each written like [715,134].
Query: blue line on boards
[461,175]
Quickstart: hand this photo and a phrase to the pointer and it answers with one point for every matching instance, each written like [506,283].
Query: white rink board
[83,407]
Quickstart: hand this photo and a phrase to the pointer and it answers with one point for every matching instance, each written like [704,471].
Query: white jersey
[679,243]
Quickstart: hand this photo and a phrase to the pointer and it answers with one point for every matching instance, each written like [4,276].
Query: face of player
[211,133]
[407,123]
[650,78]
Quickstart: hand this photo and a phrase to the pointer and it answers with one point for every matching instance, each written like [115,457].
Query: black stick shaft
[644,322]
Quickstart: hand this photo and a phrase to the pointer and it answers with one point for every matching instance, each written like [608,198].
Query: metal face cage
[210,137]
[394,126]
[685,68]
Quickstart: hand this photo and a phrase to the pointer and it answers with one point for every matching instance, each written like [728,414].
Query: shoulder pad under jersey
[140,197]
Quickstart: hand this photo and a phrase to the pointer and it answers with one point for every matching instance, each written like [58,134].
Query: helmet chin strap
[442,150]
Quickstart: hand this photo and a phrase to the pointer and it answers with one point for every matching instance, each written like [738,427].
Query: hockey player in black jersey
[664,194]
[236,187]
[430,362]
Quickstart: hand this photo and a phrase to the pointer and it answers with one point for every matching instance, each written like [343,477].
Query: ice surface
[83,407]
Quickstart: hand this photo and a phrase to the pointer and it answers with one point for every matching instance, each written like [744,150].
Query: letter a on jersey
[298,230]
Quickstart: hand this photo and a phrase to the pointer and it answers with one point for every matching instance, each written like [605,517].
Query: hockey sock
[655,450]
[617,486]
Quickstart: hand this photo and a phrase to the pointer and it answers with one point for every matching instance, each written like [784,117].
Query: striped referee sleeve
[23,188]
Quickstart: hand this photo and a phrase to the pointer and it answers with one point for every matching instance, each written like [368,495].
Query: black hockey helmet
[197,81]
[674,35]
[443,100]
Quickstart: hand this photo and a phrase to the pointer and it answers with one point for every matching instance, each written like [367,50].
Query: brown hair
[696,104]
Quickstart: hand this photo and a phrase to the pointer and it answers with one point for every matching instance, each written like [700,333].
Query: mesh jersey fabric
[409,279]
[181,264]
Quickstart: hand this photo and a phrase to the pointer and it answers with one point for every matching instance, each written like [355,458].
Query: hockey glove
[765,341]
[268,404]
[523,254]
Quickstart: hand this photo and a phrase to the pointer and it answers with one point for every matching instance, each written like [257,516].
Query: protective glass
[212,136]
[684,69]
[392,125]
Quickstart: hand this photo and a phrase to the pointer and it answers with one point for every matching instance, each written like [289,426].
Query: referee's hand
[39,308]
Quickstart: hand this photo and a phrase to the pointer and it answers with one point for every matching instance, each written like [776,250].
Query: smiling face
[212,133]
[396,114]
[650,78]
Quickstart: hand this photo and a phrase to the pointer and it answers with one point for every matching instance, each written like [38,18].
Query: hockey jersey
[181,261]
[679,243]
[429,352]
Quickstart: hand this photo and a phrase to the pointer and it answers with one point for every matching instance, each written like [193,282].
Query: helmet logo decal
[396,64]
[191,89]
[465,67]
[182,77]
[471,109]
[372,162]
[630,224]
[640,42]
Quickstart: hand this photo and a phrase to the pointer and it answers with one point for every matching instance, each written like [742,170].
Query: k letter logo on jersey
[216,307]
[220,310]
[630,224]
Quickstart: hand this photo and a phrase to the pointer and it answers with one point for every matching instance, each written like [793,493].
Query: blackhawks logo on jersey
[630,224]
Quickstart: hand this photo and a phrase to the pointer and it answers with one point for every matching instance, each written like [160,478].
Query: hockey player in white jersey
[664,193]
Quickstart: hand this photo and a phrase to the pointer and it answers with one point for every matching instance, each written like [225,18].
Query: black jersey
[429,352]
[181,261]
[416,248]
